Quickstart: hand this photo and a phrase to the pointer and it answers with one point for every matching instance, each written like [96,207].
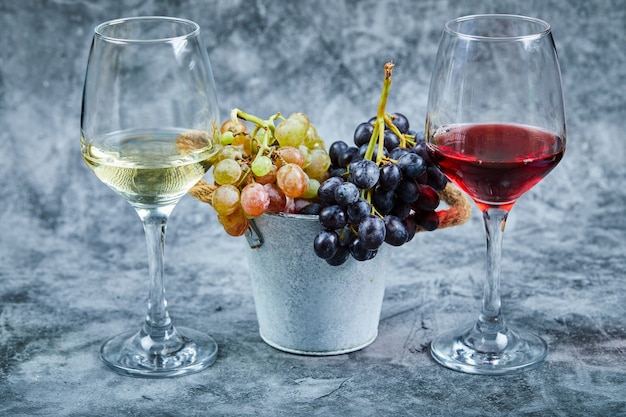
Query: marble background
[72,254]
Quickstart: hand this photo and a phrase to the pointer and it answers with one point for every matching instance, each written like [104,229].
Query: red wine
[495,163]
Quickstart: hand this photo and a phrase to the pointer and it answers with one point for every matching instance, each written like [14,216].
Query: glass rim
[194,29]
[544,26]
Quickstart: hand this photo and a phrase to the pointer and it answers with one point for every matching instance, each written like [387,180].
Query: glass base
[501,353]
[181,351]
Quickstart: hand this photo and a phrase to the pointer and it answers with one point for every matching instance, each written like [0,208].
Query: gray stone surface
[72,254]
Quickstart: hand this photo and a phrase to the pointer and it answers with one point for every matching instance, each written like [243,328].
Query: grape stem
[267,125]
[403,138]
[378,135]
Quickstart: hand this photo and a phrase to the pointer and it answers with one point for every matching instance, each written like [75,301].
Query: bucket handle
[254,236]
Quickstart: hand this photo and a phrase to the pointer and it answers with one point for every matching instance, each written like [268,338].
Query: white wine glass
[495,127]
[148,131]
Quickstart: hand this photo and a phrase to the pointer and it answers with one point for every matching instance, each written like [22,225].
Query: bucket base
[320,352]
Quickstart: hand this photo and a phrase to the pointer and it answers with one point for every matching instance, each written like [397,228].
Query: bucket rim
[294,216]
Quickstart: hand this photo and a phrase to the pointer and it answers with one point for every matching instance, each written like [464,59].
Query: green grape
[292,131]
[261,166]
[319,162]
[227,138]
[226,171]
[314,185]
[230,152]
[313,140]
[301,117]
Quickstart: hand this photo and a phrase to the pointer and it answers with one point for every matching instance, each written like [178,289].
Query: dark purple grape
[346,193]
[411,227]
[326,244]
[408,190]
[401,122]
[383,200]
[313,208]
[326,192]
[358,210]
[401,209]
[360,252]
[423,179]
[390,176]
[412,165]
[363,134]
[348,156]
[333,217]
[419,135]
[372,232]
[391,140]
[422,150]
[363,151]
[428,198]
[336,150]
[364,173]
[396,234]
[346,236]
[427,220]
[340,257]
[337,172]
[396,153]
[436,179]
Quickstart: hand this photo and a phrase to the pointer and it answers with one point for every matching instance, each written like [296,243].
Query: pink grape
[236,223]
[278,200]
[292,180]
[290,155]
[225,199]
[269,178]
[254,199]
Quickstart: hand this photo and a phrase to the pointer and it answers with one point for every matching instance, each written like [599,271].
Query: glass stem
[491,322]
[158,324]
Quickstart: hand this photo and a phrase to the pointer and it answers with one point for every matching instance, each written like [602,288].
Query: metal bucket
[304,305]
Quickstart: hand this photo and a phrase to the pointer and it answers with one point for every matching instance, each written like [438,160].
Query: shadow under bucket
[303,304]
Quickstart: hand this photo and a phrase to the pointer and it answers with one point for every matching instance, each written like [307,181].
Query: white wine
[150,168]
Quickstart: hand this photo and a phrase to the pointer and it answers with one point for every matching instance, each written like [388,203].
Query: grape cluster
[381,189]
[273,168]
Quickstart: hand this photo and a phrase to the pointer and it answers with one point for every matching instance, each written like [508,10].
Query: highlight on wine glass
[149,118]
[495,126]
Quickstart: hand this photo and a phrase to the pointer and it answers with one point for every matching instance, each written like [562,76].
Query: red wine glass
[495,127]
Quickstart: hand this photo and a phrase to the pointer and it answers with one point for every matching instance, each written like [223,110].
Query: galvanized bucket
[304,305]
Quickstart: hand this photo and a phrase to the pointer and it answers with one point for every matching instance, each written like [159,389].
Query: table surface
[73,262]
